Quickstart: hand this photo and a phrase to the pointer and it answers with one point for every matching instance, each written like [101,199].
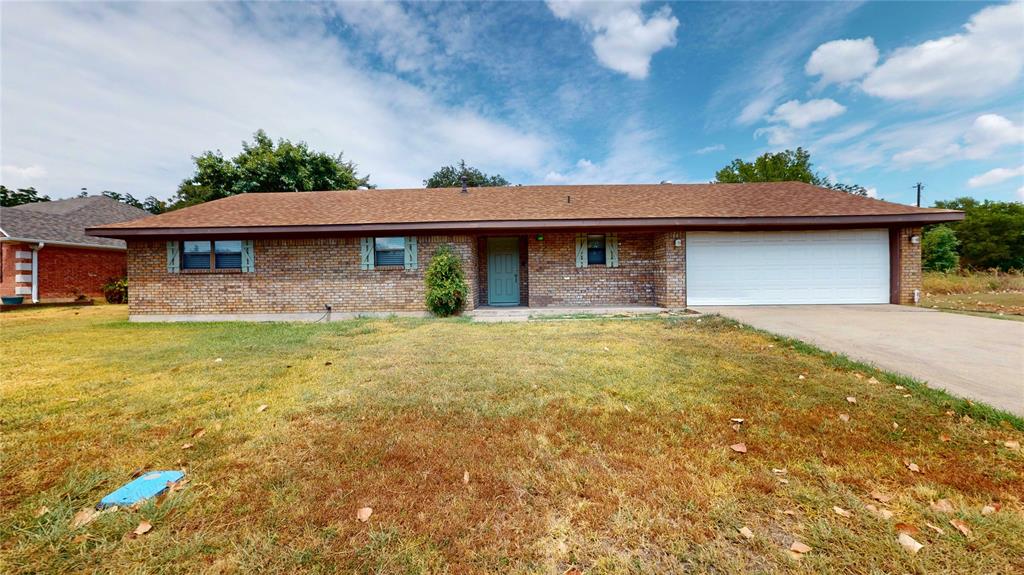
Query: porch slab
[522,313]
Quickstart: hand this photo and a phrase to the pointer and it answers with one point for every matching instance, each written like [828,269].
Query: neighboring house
[289,255]
[45,254]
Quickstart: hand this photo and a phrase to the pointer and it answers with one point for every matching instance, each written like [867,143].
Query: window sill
[214,271]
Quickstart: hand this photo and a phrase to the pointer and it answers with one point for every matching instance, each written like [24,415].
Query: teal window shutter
[366,253]
[581,250]
[173,258]
[248,257]
[411,257]
[611,250]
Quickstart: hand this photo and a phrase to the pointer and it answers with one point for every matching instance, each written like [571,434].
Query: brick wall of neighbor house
[910,265]
[556,281]
[670,279]
[64,272]
[291,276]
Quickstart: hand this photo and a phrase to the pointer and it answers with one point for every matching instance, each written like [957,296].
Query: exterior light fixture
[915,239]
[540,237]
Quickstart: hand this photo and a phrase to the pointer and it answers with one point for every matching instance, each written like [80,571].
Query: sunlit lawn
[598,444]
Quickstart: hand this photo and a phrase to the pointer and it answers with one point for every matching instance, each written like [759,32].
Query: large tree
[265,166]
[451,177]
[9,197]
[785,166]
[150,204]
[991,234]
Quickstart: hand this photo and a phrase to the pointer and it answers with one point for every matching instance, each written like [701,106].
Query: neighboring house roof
[627,205]
[64,221]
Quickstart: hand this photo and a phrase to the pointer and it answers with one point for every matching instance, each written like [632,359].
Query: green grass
[601,444]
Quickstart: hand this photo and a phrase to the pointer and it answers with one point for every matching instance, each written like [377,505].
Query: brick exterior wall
[910,265]
[64,272]
[556,281]
[291,276]
[301,275]
[670,280]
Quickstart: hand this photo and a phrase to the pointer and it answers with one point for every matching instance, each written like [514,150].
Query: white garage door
[751,268]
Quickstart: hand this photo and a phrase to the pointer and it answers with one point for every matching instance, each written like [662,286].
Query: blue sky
[120,96]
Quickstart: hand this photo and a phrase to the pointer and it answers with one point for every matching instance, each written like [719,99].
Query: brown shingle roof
[449,207]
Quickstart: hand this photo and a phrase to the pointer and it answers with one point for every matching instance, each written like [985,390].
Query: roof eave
[63,243]
[499,225]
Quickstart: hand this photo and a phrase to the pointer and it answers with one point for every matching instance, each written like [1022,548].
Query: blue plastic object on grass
[150,484]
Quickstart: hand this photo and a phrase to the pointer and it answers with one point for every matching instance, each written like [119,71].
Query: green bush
[116,290]
[446,283]
[938,249]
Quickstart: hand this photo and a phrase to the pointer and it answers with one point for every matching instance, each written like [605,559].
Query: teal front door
[503,271]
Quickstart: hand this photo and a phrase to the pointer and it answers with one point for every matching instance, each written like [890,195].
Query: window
[389,251]
[205,255]
[595,250]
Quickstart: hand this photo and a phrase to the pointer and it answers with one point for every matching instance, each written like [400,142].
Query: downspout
[35,271]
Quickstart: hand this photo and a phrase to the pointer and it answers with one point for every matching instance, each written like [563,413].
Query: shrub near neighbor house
[116,290]
[446,283]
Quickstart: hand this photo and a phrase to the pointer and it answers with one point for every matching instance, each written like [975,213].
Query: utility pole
[919,187]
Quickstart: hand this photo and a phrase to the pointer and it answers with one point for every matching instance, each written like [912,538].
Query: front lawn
[488,448]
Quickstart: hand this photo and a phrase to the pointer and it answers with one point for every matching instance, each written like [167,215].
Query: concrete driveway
[973,357]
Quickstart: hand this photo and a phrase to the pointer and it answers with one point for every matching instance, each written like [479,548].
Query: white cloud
[635,155]
[984,59]
[399,37]
[842,61]
[120,96]
[872,192]
[1020,193]
[22,173]
[710,149]
[989,133]
[800,115]
[623,39]
[996,176]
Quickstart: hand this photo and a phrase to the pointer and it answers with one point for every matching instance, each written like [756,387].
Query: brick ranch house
[289,255]
[45,254]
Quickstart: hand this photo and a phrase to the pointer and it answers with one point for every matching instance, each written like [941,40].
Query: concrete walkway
[973,357]
[517,313]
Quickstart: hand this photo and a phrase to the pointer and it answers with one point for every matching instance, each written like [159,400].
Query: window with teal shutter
[366,253]
[173,258]
[411,255]
[611,246]
[581,250]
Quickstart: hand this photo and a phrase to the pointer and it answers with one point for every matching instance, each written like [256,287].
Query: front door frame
[503,243]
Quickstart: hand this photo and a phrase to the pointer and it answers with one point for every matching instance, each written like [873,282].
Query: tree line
[991,235]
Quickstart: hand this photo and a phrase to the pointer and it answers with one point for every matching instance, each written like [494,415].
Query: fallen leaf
[901,388]
[42,511]
[944,438]
[746,532]
[198,433]
[934,528]
[851,399]
[573,571]
[789,512]
[907,528]
[262,408]
[218,360]
[990,509]
[735,427]
[778,471]
[845,418]
[186,446]
[872,380]
[912,466]
[909,543]
[895,426]
[1012,444]
[881,497]
[801,376]
[465,477]
[783,480]
[83,517]
[177,485]
[967,419]
[736,420]
[328,363]
[907,395]
[798,547]
[858,376]
[961,527]
[739,447]
[880,513]
[143,528]
[942,506]
[364,514]
[841,512]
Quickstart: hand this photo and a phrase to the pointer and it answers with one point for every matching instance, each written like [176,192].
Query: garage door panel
[749,268]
